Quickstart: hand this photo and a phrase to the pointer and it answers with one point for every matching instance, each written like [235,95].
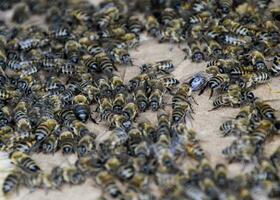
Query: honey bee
[72,50]
[169,82]
[141,99]
[206,169]
[104,87]
[73,176]
[119,54]
[148,130]
[265,110]
[167,15]
[120,121]
[225,6]
[216,82]
[130,111]
[50,144]
[163,124]
[105,108]
[24,162]
[81,108]
[119,102]
[107,182]
[208,186]
[242,149]
[21,118]
[67,142]
[11,182]
[138,81]
[258,60]
[275,69]
[194,150]
[237,28]
[117,84]
[112,139]
[266,171]
[85,145]
[221,178]
[44,129]
[196,52]
[163,66]
[134,24]
[152,25]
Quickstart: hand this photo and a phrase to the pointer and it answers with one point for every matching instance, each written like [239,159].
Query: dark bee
[81,108]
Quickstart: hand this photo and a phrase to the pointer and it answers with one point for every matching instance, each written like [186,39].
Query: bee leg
[202,90]
[194,100]
[93,120]
[211,93]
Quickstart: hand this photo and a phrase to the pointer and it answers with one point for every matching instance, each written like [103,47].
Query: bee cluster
[56,80]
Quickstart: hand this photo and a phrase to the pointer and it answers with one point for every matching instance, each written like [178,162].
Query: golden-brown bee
[24,162]
[107,182]
[152,25]
[117,84]
[131,40]
[73,176]
[148,130]
[67,142]
[120,121]
[194,150]
[85,145]
[119,54]
[72,50]
[50,144]
[104,87]
[119,102]
[112,139]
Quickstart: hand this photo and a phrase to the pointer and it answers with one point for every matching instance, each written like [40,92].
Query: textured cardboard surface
[205,123]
